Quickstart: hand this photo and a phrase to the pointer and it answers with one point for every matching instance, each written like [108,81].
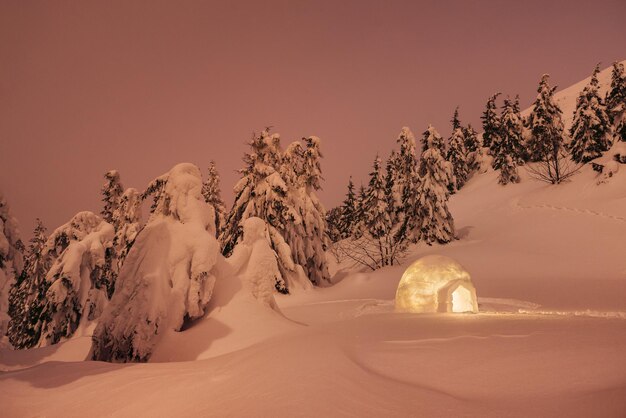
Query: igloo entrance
[462,300]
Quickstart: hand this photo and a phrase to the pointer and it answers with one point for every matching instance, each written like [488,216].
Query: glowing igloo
[436,284]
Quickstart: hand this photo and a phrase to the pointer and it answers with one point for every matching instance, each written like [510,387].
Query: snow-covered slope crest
[168,275]
[566,98]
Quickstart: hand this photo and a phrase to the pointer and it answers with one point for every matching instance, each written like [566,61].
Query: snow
[548,341]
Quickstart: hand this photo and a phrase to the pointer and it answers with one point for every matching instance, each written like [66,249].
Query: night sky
[140,86]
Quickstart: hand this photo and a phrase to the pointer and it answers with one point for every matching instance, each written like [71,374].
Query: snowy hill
[549,269]
[566,98]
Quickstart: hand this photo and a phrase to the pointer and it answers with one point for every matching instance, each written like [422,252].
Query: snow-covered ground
[549,266]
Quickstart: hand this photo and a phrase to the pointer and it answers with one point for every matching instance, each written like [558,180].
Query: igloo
[436,284]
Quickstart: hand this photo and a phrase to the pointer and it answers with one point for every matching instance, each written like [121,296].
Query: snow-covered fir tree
[405,180]
[312,214]
[261,193]
[77,290]
[127,224]
[474,149]
[616,101]
[169,273]
[379,216]
[435,223]
[432,139]
[213,196]
[333,218]
[348,213]
[591,132]
[491,122]
[359,224]
[456,123]
[11,261]
[457,156]
[27,296]
[290,208]
[545,124]
[511,133]
[508,151]
[112,191]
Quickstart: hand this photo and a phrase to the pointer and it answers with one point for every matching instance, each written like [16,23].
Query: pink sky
[140,86]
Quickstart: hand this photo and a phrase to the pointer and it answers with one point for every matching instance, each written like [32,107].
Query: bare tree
[371,252]
[554,167]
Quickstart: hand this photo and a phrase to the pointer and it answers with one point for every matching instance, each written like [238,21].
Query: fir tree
[511,133]
[11,261]
[616,101]
[359,224]
[27,296]
[348,213]
[333,218]
[127,224]
[456,123]
[261,193]
[434,221]
[591,128]
[508,169]
[71,300]
[112,192]
[312,215]
[432,140]
[491,122]
[457,156]
[546,136]
[546,142]
[212,195]
[403,166]
[473,148]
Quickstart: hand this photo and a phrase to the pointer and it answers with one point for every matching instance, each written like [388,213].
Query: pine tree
[457,156]
[312,215]
[546,142]
[70,299]
[261,193]
[456,123]
[212,195]
[405,180]
[127,224]
[348,213]
[508,169]
[546,126]
[491,122]
[616,101]
[435,223]
[112,192]
[378,210]
[511,133]
[359,224]
[432,140]
[27,296]
[473,148]
[11,261]
[333,218]
[591,128]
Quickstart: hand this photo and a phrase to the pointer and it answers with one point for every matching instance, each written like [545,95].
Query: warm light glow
[462,300]
[436,284]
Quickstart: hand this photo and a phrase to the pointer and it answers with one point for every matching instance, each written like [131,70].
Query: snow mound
[167,277]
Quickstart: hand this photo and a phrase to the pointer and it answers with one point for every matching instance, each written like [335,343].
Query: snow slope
[549,268]
[566,98]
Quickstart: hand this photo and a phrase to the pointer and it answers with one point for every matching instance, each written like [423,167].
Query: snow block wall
[168,275]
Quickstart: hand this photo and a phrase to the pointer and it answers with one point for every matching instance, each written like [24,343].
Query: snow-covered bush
[77,287]
[168,275]
[255,261]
